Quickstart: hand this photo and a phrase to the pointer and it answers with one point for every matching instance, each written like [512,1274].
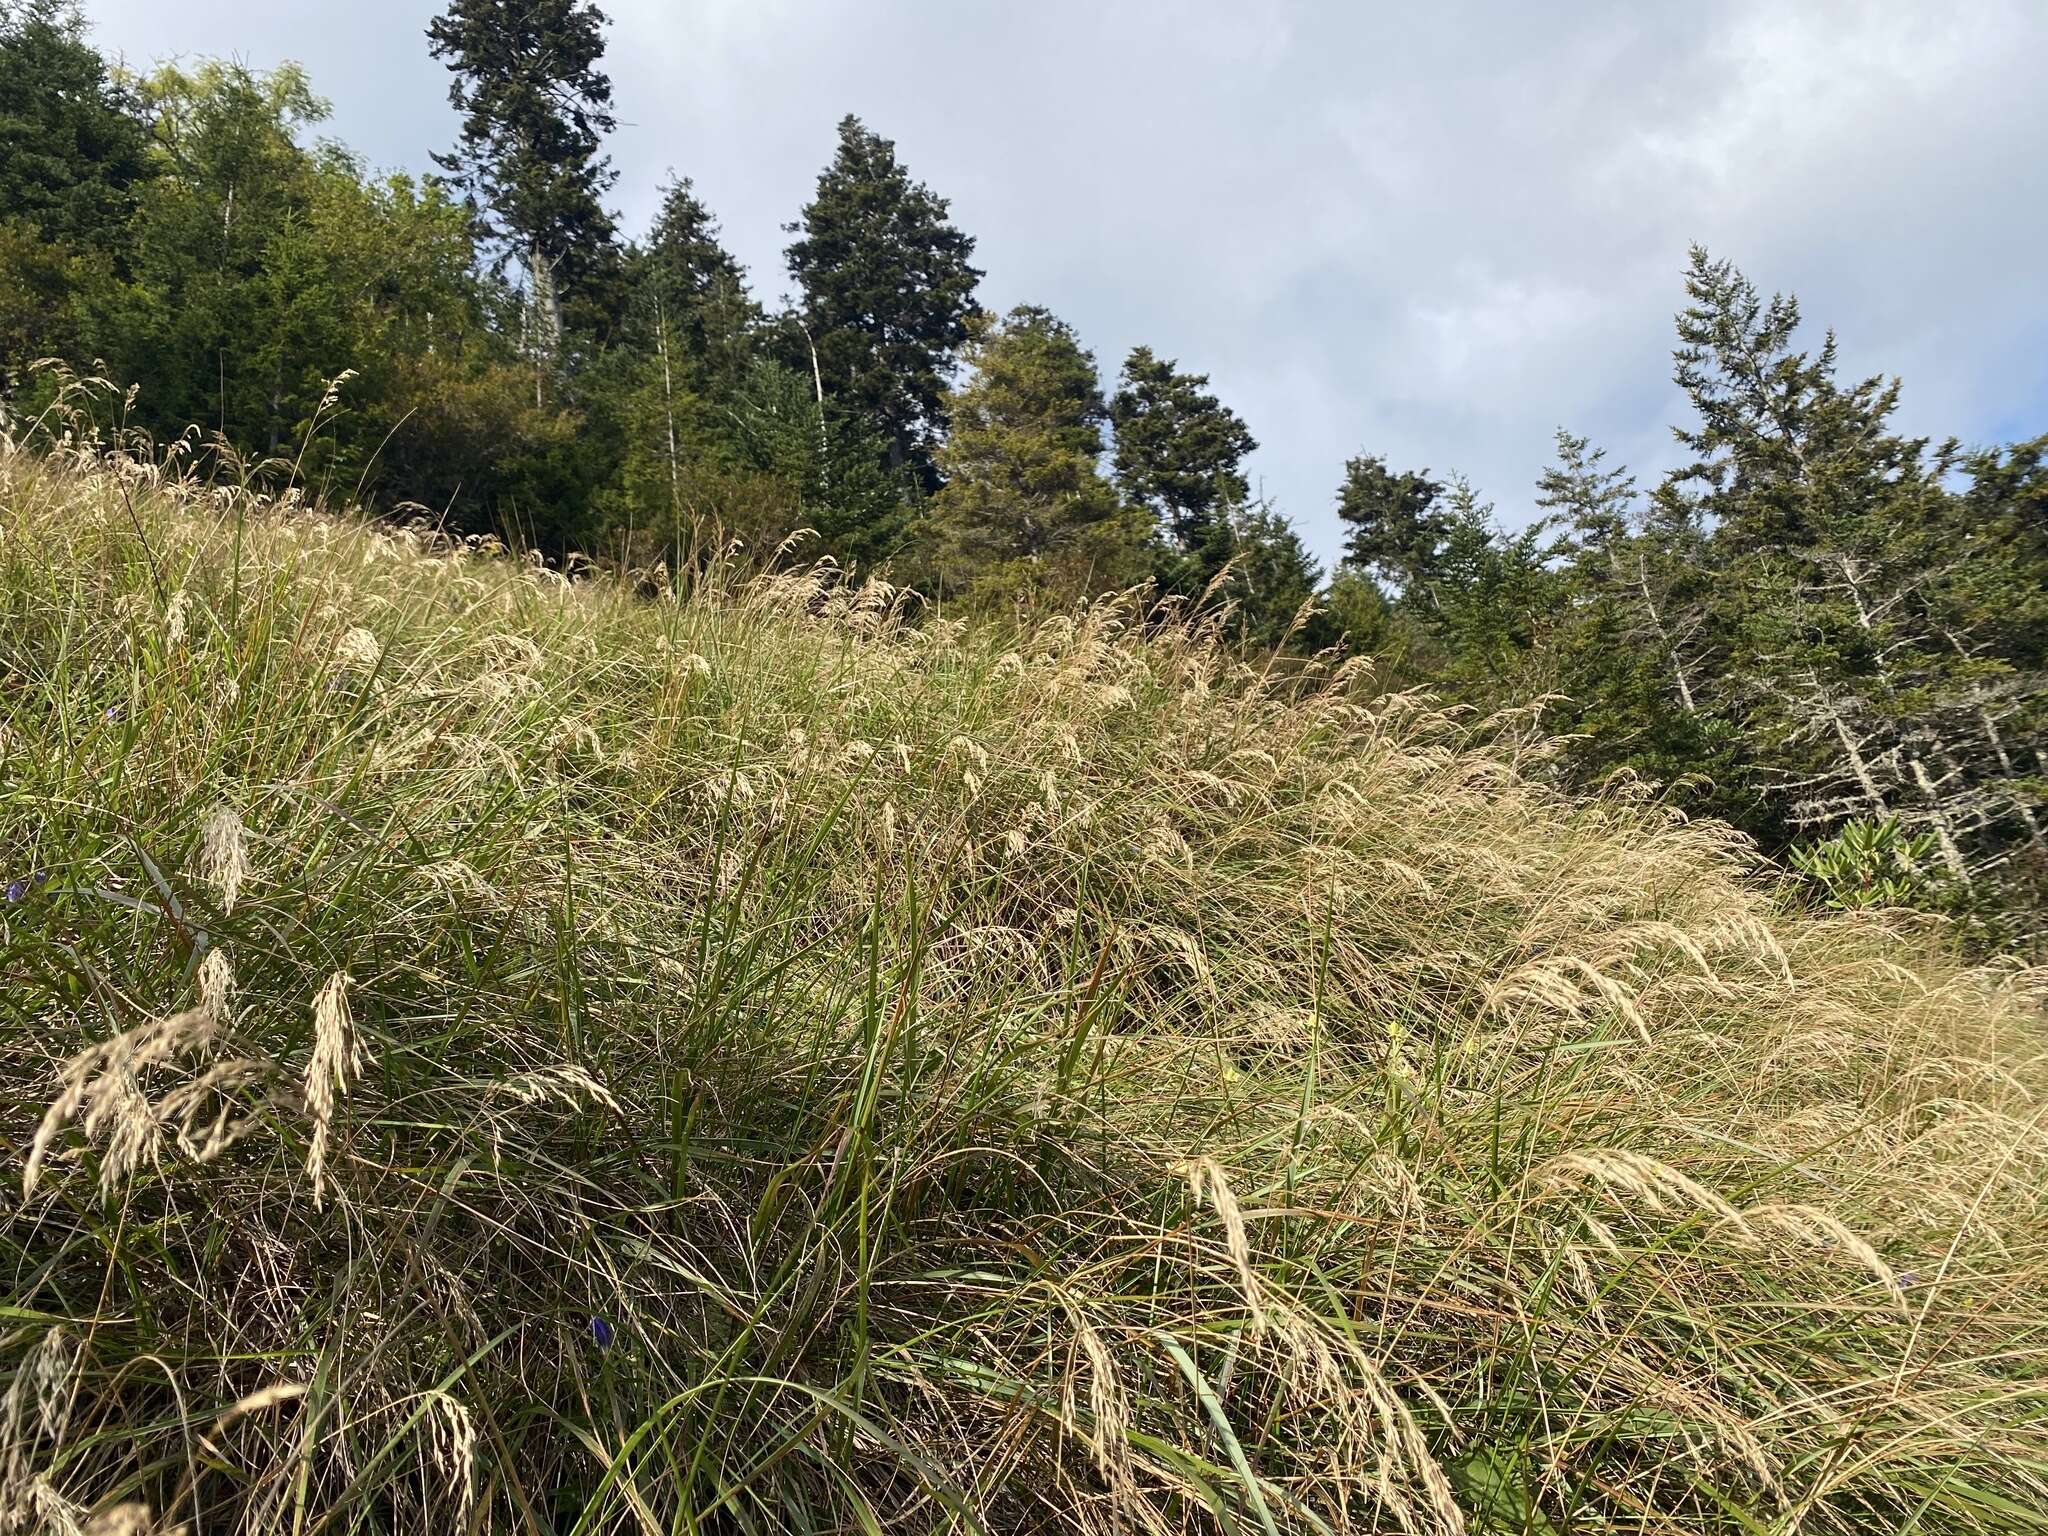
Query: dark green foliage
[73,150]
[535,107]
[230,317]
[1484,598]
[835,466]
[1177,453]
[1628,638]
[887,290]
[688,296]
[1025,510]
[666,390]
[1394,528]
[1862,665]
[1815,621]
[1273,582]
[73,156]
[1359,616]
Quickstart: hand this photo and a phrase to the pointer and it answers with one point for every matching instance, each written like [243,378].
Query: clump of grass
[493,1053]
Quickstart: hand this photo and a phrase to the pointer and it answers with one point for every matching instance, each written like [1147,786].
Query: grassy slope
[790,1070]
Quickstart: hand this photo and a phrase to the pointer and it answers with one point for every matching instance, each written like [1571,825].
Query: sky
[1436,233]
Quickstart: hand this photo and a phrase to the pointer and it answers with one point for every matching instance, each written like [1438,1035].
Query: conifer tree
[887,289]
[1630,637]
[689,294]
[73,148]
[1840,551]
[1178,449]
[535,107]
[1395,529]
[1273,582]
[1644,579]
[73,156]
[1025,506]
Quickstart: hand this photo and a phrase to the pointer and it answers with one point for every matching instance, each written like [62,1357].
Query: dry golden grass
[488,1052]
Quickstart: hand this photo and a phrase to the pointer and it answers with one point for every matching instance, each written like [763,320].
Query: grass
[487,1053]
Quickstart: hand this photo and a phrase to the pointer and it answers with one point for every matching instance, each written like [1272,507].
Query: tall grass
[486,1053]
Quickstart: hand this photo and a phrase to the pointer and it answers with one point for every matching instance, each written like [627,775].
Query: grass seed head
[224,854]
[335,1062]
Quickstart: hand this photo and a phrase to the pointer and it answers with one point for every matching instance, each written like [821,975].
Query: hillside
[494,1053]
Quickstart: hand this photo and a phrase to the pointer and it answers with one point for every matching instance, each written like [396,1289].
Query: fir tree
[887,290]
[535,107]
[689,294]
[1630,638]
[1841,554]
[1025,507]
[1395,529]
[1178,449]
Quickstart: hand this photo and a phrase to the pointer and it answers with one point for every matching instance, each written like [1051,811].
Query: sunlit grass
[486,1053]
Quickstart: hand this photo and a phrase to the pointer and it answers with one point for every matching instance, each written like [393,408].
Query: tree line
[1830,633]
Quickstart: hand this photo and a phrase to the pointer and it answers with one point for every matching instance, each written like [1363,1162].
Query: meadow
[499,1049]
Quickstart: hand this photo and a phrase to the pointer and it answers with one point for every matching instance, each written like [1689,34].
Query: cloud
[1433,232]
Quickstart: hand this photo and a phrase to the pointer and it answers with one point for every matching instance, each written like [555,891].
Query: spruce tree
[1178,449]
[1395,529]
[535,107]
[1025,508]
[887,290]
[73,147]
[689,294]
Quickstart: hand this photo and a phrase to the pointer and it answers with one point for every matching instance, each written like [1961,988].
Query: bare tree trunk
[1664,636]
[543,319]
[817,383]
[668,395]
[1858,764]
[1944,832]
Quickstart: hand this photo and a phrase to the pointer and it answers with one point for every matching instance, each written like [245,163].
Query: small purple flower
[17,888]
[601,1331]
[1907,1279]
[113,713]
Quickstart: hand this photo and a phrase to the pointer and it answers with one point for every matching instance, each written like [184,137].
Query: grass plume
[738,1060]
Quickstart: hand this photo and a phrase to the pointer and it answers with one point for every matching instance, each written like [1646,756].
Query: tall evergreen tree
[1178,451]
[1025,507]
[1840,554]
[73,156]
[73,147]
[689,294]
[1631,644]
[887,290]
[1395,529]
[667,390]
[1645,578]
[1483,597]
[535,107]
